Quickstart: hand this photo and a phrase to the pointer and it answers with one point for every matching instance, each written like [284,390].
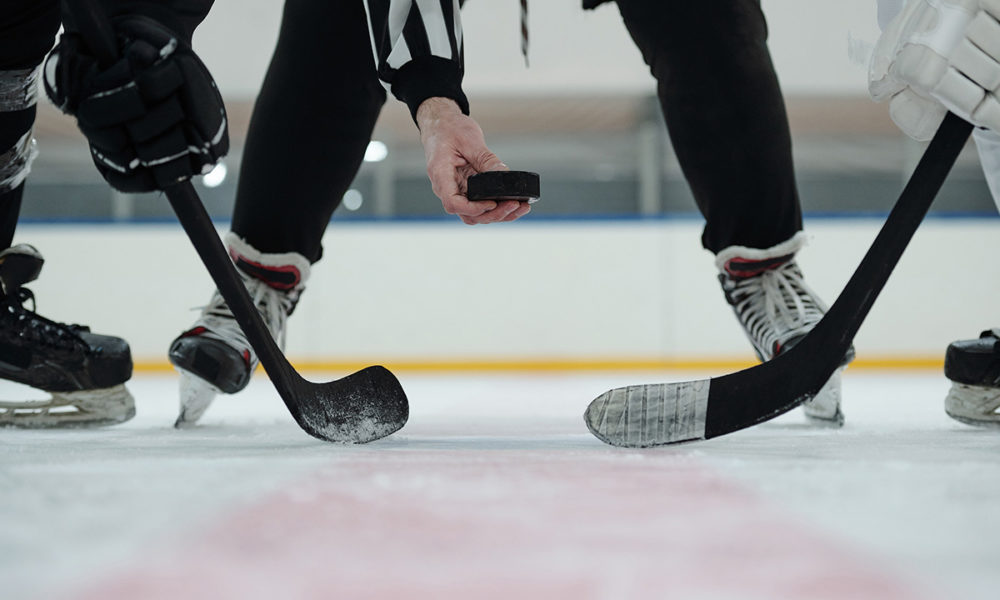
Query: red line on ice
[512,524]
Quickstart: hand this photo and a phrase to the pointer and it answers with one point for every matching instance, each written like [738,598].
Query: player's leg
[973,365]
[27,32]
[84,372]
[311,125]
[727,122]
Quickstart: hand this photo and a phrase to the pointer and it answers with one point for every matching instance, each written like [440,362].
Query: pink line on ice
[512,524]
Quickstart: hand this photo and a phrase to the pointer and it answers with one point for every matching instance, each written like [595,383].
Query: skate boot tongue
[280,275]
[19,265]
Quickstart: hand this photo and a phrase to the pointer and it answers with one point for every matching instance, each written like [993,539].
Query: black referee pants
[310,127]
[715,81]
[725,114]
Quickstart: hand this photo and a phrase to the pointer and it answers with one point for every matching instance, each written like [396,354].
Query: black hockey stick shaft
[851,307]
[731,405]
[361,407]
[668,413]
[184,200]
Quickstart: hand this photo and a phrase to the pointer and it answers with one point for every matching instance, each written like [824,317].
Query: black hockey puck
[504,185]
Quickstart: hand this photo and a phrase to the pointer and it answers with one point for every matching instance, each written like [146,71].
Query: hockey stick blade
[669,413]
[361,407]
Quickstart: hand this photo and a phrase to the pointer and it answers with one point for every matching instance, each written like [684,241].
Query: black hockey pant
[27,33]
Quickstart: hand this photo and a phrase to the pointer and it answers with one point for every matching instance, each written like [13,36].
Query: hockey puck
[504,185]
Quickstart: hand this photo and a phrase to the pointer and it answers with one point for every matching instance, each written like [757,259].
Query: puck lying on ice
[504,185]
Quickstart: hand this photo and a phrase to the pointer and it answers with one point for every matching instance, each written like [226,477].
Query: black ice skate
[214,356]
[777,309]
[84,372]
[973,366]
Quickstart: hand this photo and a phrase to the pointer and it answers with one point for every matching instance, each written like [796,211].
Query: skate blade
[80,409]
[973,405]
[824,409]
[196,396]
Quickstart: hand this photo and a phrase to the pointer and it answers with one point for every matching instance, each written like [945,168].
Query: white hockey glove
[936,56]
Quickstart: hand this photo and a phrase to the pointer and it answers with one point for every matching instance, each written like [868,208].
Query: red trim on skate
[742,268]
[265,272]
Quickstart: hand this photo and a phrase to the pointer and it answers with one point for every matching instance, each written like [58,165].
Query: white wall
[444,292]
[572,51]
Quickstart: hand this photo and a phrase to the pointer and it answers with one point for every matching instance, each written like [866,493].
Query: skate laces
[273,305]
[28,326]
[774,306]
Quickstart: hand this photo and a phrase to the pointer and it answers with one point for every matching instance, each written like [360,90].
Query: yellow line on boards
[721,365]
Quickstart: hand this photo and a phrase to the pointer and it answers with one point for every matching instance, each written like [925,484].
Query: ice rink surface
[495,489]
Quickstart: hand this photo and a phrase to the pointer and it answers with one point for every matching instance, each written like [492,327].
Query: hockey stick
[364,406]
[669,413]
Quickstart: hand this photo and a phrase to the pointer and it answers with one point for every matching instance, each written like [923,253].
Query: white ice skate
[214,356]
[777,309]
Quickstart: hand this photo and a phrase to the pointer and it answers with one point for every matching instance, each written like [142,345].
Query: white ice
[495,489]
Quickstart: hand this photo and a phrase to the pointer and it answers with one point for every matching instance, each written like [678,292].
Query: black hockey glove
[153,118]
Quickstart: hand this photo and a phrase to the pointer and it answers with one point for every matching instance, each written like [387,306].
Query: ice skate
[85,373]
[214,356]
[973,366]
[777,309]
